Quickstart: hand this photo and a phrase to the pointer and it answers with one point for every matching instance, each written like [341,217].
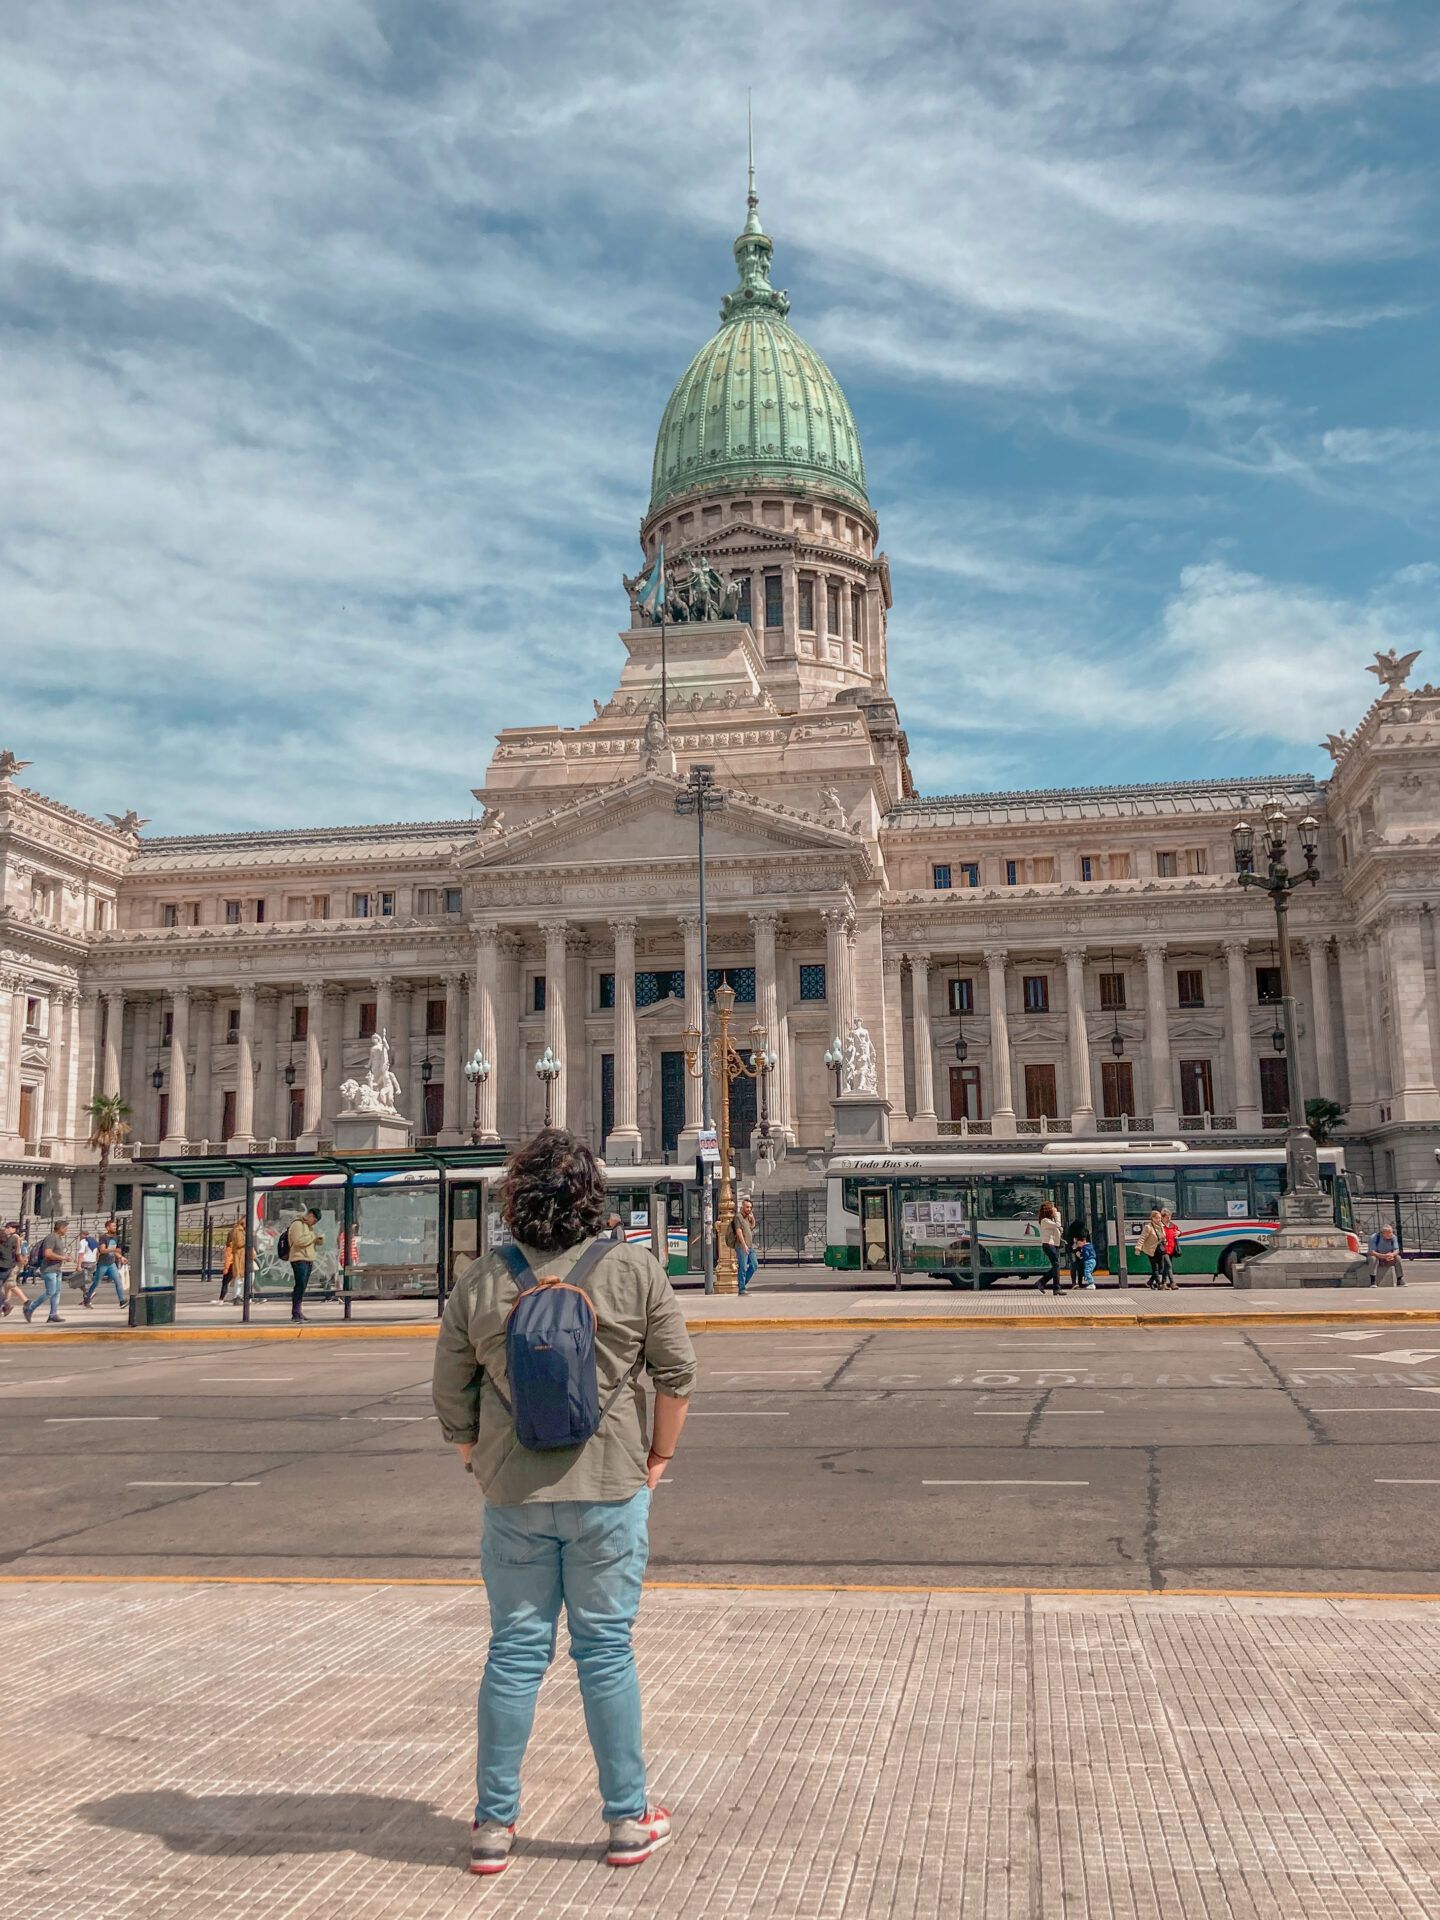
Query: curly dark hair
[553,1193]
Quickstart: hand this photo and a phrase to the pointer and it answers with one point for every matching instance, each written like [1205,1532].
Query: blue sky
[335,337]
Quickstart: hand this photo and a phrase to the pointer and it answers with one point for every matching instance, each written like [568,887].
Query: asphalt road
[1218,1458]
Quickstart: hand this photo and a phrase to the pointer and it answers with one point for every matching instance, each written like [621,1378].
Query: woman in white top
[1050,1242]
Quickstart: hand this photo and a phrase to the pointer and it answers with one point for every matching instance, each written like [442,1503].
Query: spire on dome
[752,256]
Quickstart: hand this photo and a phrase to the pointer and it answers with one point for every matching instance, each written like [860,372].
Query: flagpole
[664,678]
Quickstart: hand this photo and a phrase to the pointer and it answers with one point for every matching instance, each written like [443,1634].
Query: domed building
[1024,964]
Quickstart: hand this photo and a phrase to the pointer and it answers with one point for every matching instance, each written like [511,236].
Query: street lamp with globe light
[477,1071]
[548,1069]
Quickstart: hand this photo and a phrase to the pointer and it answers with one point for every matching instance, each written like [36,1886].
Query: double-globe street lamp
[548,1069]
[477,1071]
[1302,1165]
[727,1064]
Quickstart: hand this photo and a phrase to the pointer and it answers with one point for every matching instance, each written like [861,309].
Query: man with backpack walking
[537,1382]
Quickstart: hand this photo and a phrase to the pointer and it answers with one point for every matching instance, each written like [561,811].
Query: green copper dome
[757,406]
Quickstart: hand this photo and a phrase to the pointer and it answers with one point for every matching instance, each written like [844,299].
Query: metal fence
[792,1226]
[1414,1216]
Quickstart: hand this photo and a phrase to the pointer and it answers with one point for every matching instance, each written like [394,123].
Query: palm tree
[1323,1117]
[109,1116]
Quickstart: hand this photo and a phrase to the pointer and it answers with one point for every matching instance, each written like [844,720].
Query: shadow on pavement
[241,1824]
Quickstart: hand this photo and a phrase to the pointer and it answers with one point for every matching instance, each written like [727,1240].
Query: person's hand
[655,1467]
[465,1448]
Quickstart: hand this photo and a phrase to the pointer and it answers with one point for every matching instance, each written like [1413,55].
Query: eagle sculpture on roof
[127,822]
[1391,669]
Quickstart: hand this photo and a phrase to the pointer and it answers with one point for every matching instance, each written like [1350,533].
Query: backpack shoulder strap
[521,1271]
[588,1261]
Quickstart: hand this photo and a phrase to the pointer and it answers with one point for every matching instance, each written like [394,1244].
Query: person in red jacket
[1172,1240]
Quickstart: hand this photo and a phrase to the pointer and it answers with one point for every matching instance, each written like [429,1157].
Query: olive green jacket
[636,1314]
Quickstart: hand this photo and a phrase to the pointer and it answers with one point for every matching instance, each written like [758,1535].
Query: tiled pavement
[277,1751]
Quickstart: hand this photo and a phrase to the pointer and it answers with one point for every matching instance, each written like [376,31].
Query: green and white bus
[972,1218]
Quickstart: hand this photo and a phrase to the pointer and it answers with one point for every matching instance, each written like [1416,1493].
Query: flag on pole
[651,596]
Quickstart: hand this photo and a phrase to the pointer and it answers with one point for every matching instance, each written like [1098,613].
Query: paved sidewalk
[304,1751]
[777,1308]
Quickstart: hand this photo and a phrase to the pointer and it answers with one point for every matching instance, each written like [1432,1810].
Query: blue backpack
[550,1354]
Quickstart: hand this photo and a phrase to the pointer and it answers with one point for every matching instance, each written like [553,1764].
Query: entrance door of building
[29,1131]
[672,1100]
[1274,1086]
[743,1108]
[965,1094]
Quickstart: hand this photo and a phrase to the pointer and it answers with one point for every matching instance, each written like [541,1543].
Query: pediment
[635,825]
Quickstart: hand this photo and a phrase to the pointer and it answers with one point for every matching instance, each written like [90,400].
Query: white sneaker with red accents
[632,1841]
[490,1843]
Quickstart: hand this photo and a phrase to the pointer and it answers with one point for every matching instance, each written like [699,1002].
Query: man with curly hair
[570,1526]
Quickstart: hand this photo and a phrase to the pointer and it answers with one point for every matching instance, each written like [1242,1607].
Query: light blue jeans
[106,1270]
[746,1263]
[50,1280]
[590,1555]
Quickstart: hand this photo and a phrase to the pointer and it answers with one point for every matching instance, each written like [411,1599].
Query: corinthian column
[114,1029]
[1317,948]
[483,1010]
[694,1019]
[623,1144]
[1157,1022]
[1354,1004]
[1237,1018]
[554,932]
[451,1134]
[1416,1092]
[201,1104]
[314,1058]
[244,1070]
[924,1062]
[179,1108]
[1082,1093]
[1002,1108]
[839,931]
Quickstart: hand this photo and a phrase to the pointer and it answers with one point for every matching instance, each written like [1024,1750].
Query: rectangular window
[1087,866]
[1037,992]
[427,900]
[940,878]
[607,990]
[740,979]
[1040,1093]
[259,912]
[1267,988]
[169,916]
[965,1093]
[1274,1085]
[189,1193]
[214,1189]
[970,873]
[1112,992]
[359,906]
[434,1016]
[299,1022]
[1216,1193]
[812,983]
[1012,873]
[1195,1087]
[368,1011]
[1196,861]
[232,1031]
[124,1197]
[227,1114]
[387,905]
[857,619]
[32,1016]
[322,906]
[1165,866]
[742,610]
[1119,866]
[832,608]
[653,987]
[454,900]
[232,913]
[962,996]
[1191,983]
[1117,1088]
[805,595]
[537,995]
[774,601]
[167,1030]
[1044,873]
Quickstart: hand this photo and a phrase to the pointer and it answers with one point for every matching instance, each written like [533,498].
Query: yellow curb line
[909,1323]
[703,1586]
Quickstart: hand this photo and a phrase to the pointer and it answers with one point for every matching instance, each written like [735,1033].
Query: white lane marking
[1410,1409]
[93,1419]
[224,1379]
[1003,1413]
[1407,1483]
[1070,1413]
[1407,1356]
[739,1415]
[192,1483]
[1378,1334]
[747,1373]
[1004,1483]
[388,1419]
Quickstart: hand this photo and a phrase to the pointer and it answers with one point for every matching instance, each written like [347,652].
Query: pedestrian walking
[566,1474]
[53,1254]
[614,1230]
[301,1244]
[232,1262]
[1384,1256]
[107,1264]
[1171,1235]
[1050,1241]
[747,1230]
[12,1294]
[1152,1245]
[86,1259]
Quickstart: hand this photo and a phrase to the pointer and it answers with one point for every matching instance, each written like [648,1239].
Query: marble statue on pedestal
[376,1094]
[859,1069]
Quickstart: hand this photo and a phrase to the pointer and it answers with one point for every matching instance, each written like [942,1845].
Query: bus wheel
[1230,1259]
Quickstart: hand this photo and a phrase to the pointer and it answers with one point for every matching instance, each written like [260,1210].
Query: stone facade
[1089,949]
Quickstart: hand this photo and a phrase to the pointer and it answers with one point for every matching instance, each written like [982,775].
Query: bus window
[1147,1188]
[1009,1197]
[852,1195]
[1215,1193]
[1269,1185]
